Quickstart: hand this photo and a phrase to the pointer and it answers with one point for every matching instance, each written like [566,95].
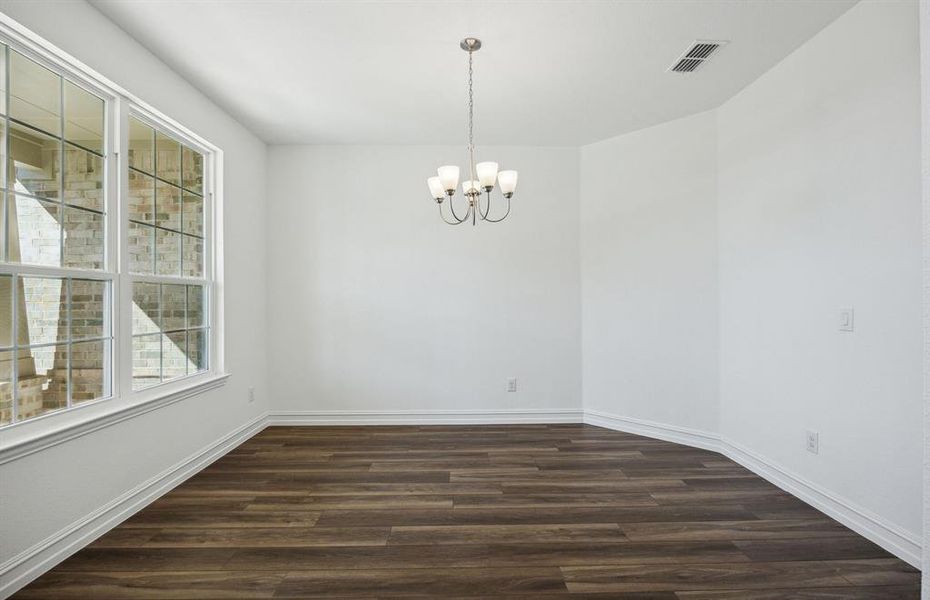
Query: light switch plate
[846,318]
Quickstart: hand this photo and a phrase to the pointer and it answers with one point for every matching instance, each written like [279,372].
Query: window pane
[146,315]
[3,154]
[141,249]
[146,360]
[195,303]
[35,94]
[173,307]
[167,206]
[6,387]
[141,197]
[90,377]
[174,354]
[167,158]
[45,308]
[141,146]
[197,350]
[35,162]
[88,306]
[83,118]
[193,214]
[192,170]
[167,252]
[35,234]
[3,51]
[6,312]
[43,380]
[83,178]
[193,256]
[84,239]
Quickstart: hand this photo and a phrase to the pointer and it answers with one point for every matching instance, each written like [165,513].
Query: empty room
[518,299]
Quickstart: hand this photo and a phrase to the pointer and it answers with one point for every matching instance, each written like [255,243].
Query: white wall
[819,207]
[649,274]
[45,492]
[717,250]
[376,305]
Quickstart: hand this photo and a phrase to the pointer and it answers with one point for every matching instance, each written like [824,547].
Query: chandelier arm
[455,216]
[448,222]
[484,214]
[506,214]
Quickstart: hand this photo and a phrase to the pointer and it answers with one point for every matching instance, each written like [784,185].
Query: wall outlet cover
[813,442]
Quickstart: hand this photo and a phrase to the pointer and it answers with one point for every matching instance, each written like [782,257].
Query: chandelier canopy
[482,176]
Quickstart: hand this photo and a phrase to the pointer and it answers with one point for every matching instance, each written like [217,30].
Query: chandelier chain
[471,116]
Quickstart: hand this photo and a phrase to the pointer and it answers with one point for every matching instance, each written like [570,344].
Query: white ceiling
[384,72]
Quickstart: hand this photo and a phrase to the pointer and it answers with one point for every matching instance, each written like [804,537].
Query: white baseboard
[431,417]
[660,431]
[892,538]
[21,569]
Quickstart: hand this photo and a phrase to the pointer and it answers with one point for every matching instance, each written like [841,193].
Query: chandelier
[482,177]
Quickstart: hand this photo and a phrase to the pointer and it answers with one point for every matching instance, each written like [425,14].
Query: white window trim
[34,434]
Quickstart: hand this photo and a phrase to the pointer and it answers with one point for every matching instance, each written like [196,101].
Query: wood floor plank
[482,555]
[735,530]
[502,511]
[429,583]
[197,518]
[169,585]
[741,576]
[253,537]
[516,516]
[507,534]
[812,548]
[909,592]
[564,500]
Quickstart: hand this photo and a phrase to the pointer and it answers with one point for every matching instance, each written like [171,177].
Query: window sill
[15,446]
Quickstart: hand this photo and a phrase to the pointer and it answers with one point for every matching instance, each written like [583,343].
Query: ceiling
[551,72]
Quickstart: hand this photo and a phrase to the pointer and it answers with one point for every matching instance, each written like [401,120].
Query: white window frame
[35,433]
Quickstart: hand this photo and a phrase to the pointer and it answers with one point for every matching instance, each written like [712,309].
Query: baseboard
[432,417]
[660,431]
[18,571]
[892,538]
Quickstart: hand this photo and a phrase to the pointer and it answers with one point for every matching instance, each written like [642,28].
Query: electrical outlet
[846,318]
[813,442]
[251,395]
[512,384]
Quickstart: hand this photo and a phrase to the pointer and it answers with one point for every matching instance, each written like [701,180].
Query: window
[70,271]
[166,257]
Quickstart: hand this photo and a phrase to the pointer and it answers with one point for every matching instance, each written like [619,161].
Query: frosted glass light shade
[435,187]
[449,177]
[507,181]
[487,173]
[470,186]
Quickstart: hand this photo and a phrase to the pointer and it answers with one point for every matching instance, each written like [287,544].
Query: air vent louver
[695,56]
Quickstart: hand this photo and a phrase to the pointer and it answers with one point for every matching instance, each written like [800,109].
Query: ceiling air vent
[695,56]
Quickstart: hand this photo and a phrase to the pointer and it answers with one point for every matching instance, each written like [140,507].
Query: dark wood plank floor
[477,511]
